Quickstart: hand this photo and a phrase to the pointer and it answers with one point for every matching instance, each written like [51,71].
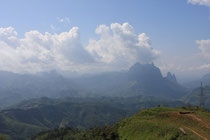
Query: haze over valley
[104,70]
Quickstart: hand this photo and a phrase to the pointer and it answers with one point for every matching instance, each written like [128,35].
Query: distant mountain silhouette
[16,87]
[145,72]
[171,77]
[140,79]
[194,84]
[206,79]
[193,98]
[150,79]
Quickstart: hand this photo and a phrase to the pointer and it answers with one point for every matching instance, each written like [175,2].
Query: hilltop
[165,123]
[155,123]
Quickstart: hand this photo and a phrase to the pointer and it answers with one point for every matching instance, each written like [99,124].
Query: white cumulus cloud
[37,52]
[118,47]
[204,46]
[200,2]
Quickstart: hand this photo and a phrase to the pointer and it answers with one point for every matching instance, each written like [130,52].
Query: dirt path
[196,133]
[205,124]
[200,121]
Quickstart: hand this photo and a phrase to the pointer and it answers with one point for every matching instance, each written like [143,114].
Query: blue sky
[172,25]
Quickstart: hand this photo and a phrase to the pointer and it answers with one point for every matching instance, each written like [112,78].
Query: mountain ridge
[140,79]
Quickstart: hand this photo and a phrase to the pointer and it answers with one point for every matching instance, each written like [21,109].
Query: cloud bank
[194,65]
[118,46]
[204,46]
[200,2]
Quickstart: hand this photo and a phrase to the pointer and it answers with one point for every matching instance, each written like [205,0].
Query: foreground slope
[152,124]
[165,123]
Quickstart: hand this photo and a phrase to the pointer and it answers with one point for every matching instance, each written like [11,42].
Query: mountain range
[140,79]
[17,87]
[197,83]
[193,98]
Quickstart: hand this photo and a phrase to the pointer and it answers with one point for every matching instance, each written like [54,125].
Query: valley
[46,101]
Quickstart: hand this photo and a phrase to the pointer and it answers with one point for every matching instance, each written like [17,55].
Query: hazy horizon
[40,36]
[104,69]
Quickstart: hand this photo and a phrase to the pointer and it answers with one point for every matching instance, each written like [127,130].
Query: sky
[88,36]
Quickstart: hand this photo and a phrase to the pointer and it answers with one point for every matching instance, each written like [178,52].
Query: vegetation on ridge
[152,124]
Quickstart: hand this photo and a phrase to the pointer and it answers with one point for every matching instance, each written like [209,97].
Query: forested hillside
[29,117]
[152,124]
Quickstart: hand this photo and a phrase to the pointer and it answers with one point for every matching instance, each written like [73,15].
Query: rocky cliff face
[171,77]
[149,80]
[145,72]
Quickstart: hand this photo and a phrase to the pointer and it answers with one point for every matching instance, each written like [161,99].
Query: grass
[15,129]
[150,124]
[3,137]
[164,123]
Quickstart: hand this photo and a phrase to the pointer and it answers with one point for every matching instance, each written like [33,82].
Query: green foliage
[96,133]
[17,130]
[28,121]
[3,137]
[149,124]
[163,123]
[31,117]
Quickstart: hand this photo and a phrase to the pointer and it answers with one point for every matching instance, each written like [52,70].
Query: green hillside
[3,137]
[30,117]
[12,128]
[19,124]
[149,124]
[164,123]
